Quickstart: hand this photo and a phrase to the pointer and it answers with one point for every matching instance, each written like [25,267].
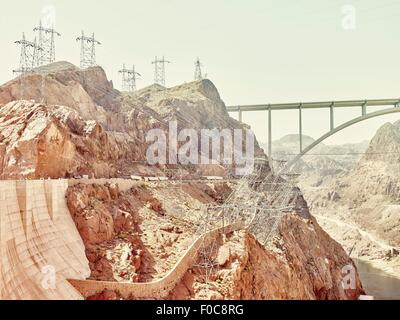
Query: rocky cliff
[41,141]
[367,200]
[140,234]
[302,263]
[60,121]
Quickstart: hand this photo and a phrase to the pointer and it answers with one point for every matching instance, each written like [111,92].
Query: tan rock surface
[148,219]
[98,130]
[364,213]
[41,141]
[302,263]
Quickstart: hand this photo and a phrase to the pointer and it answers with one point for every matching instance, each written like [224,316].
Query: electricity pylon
[129,78]
[88,50]
[197,73]
[29,55]
[159,70]
[46,38]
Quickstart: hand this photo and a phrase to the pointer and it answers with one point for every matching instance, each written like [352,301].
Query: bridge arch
[390,105]
[341,127]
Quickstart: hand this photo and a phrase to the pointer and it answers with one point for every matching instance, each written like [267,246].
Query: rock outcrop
[61,121]
[139,225]
[367,200]
[39,141]
[302,263]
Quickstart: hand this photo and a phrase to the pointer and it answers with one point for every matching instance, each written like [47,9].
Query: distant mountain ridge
[385,145]
[369,194]
[321,164]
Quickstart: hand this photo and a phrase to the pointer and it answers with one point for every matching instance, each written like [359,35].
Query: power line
[159,70]
[28,56]
[47,44]
[88,50]
[197,73]
[129,78]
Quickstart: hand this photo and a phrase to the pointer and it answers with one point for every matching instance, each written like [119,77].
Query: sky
[254,51]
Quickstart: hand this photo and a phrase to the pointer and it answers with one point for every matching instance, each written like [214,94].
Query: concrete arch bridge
[386,106]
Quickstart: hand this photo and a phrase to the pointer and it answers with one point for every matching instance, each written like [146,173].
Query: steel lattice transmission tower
[159,70]
[29,55]
[46,38]
[129,78]
[88,50]
[198,75]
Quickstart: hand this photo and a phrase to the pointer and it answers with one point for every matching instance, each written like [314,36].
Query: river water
[377,283]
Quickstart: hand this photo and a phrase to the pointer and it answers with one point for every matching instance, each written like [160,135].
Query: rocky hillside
[385,146]
[138,235]
[378,172]
[60,121]
[367,198]
[55,141]
[303,263]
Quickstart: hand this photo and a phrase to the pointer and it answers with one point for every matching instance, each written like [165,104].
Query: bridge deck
[315,105]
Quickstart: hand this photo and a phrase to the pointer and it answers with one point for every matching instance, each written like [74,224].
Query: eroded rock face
[39,141]
[91,208]
[302,263]
[379,168]
[375,177]
[107,221]
[61,83]
[76,127]
[75,118]
[131,236]
[361,208]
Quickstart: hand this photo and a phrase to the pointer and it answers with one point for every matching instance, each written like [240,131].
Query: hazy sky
[255,51]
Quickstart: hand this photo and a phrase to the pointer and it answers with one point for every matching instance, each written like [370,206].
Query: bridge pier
[332,116]
[270,133]
[301,127]
[364,109]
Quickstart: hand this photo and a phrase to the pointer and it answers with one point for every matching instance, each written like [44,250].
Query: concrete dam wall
[40,245]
